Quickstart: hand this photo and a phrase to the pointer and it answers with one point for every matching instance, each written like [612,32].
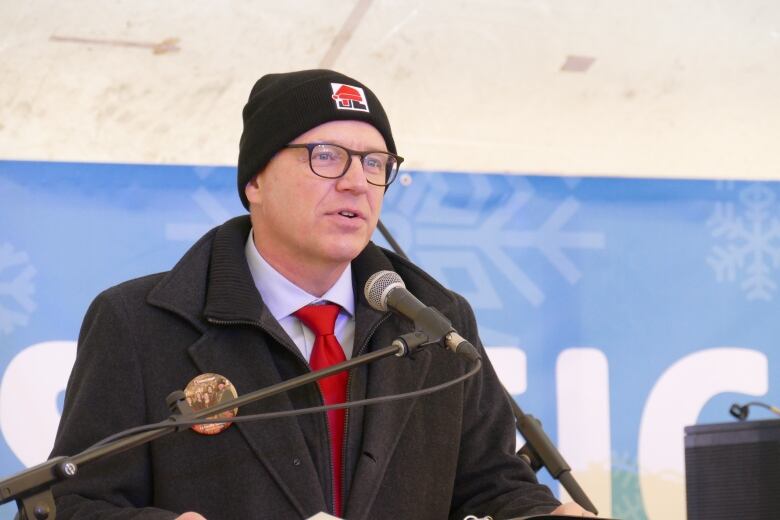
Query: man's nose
[355,177]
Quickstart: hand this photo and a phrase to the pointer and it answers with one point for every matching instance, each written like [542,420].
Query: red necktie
[327,351]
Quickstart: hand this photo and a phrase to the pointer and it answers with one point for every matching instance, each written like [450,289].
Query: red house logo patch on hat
[348,97]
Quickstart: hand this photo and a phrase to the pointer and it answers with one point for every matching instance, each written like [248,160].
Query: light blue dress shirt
[283,298]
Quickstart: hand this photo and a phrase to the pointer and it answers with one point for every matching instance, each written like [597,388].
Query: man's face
[305,222]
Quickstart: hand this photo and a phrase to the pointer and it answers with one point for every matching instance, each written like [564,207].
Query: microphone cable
[179,421]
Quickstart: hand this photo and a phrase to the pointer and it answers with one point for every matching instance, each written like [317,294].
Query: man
[316,156]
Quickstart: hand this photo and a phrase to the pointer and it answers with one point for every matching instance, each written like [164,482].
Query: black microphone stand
[538,449]
[31,488]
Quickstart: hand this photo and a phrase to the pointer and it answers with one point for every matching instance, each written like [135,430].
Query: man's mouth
[348,214]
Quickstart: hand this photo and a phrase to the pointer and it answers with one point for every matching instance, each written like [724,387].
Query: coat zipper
[345,442]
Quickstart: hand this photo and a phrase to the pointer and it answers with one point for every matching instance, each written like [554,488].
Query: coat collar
[223,293]
[228,293]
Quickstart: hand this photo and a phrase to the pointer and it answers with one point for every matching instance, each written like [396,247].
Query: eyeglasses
[332,161]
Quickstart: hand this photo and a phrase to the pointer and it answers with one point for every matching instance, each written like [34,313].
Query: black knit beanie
[283,106]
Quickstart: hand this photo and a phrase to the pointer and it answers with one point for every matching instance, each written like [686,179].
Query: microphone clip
[437,328]
[410,342]
[433,324]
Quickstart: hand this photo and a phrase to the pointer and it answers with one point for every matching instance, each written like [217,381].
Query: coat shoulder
[432,292]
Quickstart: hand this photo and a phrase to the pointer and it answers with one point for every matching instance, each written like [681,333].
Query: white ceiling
[676,88]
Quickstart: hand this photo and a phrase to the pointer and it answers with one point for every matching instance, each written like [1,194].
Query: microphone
[741,412]
[385,290]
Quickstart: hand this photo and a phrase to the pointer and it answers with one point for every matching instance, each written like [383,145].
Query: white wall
[681,89]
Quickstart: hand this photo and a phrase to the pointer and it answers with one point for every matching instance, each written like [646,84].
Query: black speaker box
[732,471]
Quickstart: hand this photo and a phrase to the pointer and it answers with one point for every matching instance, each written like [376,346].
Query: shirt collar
[282,297]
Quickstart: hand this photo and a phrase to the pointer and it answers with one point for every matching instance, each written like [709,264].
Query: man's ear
[252,190]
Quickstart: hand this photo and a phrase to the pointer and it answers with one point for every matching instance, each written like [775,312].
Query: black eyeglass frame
[311,146]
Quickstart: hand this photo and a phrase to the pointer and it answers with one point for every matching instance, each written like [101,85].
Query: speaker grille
[729,479]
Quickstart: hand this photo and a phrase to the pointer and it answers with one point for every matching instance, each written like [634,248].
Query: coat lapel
[278,443]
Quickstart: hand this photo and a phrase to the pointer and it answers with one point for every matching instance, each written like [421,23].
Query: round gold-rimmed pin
[208,390]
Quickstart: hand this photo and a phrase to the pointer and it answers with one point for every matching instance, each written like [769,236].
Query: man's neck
[315,279]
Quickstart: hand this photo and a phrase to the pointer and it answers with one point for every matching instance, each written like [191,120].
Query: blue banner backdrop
[617,311]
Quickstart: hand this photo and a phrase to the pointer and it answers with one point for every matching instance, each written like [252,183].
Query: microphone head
[740,412]
[378,286]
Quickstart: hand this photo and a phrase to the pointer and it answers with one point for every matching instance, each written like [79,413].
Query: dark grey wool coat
[444,455]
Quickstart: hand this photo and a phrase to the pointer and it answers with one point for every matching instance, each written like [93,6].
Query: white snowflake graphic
[15,293]
[495,234]
[749,237]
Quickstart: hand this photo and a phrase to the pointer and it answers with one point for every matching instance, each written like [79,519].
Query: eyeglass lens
[330,160]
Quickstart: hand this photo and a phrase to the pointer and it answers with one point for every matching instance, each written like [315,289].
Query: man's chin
[345,252]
